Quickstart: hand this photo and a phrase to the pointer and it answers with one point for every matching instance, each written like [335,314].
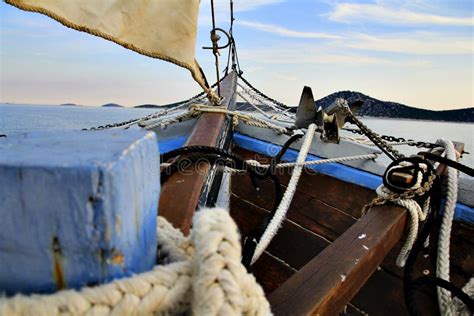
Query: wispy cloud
[389,14]
[414,43]
[278,30]
[422,43]
[310,54]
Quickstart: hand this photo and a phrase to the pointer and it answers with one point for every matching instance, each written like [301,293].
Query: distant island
[148,106]
[372,108]
[112,105]
[70,104]
[377,108]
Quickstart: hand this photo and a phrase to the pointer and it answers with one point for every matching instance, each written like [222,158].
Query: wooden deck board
[385,286]
[328,282]
[308,211]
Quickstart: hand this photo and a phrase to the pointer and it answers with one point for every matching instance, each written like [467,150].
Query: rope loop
[407,174]
[405,180]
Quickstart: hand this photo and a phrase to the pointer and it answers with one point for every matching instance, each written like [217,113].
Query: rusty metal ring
[229,40]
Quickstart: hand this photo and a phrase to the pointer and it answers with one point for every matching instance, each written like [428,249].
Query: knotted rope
[203,275]
[404,197]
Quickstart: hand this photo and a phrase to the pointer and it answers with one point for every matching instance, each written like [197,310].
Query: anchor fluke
[306,112]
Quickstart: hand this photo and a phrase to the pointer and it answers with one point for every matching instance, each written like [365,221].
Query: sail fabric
[164,29]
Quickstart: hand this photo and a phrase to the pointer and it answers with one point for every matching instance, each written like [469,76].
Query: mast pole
[184,192]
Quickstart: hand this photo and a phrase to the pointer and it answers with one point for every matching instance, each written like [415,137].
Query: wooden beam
[329,281]
[182,193]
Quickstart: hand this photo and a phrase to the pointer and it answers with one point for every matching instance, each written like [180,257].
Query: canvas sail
[164,29]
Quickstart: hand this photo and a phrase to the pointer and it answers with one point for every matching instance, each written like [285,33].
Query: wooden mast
[182,193]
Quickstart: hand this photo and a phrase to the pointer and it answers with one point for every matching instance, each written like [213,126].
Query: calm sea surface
[27,118]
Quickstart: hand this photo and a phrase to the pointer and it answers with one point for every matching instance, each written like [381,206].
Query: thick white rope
[415,211]
[447,305]
[205,275]
[322,161]
[222,286]
[416,215]
[284,205]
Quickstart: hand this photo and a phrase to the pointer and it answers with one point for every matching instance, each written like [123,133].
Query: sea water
[30,118]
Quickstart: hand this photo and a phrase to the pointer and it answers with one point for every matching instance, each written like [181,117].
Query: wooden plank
[383,294]
[292,244]
[182,193]
[308,211]
[328,282]
[271,272]
[322,187]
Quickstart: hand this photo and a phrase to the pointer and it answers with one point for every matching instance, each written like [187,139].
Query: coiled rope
[404,196]
[203,275]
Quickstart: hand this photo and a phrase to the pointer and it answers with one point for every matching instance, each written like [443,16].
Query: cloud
[387,14]
[414,44]
[309,54]
[278,30]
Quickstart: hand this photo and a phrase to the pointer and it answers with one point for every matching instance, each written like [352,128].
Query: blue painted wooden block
[76,208]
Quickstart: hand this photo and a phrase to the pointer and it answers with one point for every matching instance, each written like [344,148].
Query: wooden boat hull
[323,209]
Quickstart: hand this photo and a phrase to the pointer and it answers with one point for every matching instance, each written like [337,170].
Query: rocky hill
[112,105]
[377,108]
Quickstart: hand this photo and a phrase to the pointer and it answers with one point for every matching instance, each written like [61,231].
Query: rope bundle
[204,275]
[404,197]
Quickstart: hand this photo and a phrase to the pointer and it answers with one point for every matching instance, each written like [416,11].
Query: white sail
[164,29]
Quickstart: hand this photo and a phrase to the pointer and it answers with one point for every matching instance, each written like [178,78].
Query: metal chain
[393,139]
[152,116]
[255,97]
[374,137]
[407,195]
[262,94]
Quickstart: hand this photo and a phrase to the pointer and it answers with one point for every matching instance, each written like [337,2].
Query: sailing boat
[325,227]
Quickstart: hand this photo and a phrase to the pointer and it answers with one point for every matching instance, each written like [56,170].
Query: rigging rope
[306,163]
[282,209]
[262,94]
[236,116]
[259,99]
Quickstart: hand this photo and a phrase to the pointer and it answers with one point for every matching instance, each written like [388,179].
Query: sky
[415,52]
